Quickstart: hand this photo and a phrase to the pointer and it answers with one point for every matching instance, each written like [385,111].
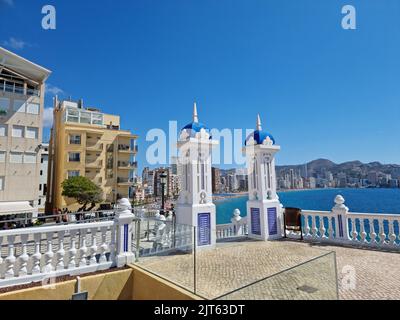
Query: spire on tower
[258,122]
[195,116]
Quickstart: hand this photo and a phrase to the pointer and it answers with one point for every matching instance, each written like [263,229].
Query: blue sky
[321,91]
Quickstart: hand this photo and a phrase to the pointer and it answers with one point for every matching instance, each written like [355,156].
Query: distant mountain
[355,168]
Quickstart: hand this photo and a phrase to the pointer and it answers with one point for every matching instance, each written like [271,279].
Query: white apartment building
[22,87]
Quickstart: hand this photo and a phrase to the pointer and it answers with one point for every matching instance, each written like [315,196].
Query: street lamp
[133,189]
[163,181]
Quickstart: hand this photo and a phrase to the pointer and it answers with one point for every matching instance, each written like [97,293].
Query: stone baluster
[10,259]
[306,226]
[61,252]
[330,228]
[37,256]
[72,250]
[382,234]
[354,232]
[112,257]
[322,229]
[392,235]
[104,246]
[363,234]
[93,248]
[48,256]
[372,233]
[82,248]
[24,257]
[314,228]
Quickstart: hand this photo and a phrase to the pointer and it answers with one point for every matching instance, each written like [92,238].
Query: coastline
[227,196]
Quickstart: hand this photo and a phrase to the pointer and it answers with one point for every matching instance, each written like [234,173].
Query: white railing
[39,253]
[237,227]
[360,229]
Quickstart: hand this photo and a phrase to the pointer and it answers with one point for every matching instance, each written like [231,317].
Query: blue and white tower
[264,214]
[195,206]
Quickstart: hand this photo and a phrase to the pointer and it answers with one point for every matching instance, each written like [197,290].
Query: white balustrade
[349,227]
[237,227]
[35,253]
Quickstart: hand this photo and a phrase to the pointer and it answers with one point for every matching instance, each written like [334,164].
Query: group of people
[61,215]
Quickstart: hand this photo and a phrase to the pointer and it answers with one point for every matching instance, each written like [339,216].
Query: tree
[82,190]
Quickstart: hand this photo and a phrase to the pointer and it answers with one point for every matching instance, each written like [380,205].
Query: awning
[17,207]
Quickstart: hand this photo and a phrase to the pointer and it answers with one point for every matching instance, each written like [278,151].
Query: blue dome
[259,136]
[195,126]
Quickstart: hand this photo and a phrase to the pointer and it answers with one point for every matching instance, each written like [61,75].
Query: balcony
[127,165]
[94,164]
[125,148]
[13,88]
[95,147]
[125,181]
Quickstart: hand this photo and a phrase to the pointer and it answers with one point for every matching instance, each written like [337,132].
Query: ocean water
[357,200]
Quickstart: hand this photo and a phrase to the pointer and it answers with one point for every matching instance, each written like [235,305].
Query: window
[4,105]
[74,157]
[73,173]
[41,172]
[19,106]
[44,189]
[32,108]
[2,156]
[15,157]
[40,188]
[85,117]
[30,158]
[1,183]
[3,130]
[74,139]
[17,131]
[97,118]
[72,115]
[31,133]
[39,202]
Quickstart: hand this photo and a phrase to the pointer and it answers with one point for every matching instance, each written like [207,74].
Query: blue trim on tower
[126,228]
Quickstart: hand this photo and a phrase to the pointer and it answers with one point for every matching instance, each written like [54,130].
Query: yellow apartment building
[87,142]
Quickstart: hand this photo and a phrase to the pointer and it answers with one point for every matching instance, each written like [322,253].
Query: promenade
[236,264]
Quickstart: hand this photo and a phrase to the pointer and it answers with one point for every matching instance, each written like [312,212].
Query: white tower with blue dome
[195,206]
[264,214]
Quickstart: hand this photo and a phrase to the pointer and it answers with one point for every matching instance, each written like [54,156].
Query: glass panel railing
[315,279]
[235,268]
[166,249]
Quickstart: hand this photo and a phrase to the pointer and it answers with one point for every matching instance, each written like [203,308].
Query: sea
[368,200]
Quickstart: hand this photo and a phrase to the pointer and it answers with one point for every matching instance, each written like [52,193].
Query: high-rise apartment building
[216,179]
[22,87]
[87,142]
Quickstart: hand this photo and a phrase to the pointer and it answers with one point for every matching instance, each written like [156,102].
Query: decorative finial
[195,117]
[258,122]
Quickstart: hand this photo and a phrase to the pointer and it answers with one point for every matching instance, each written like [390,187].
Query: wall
[129,284]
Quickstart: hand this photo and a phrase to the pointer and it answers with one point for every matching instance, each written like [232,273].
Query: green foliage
[82,189]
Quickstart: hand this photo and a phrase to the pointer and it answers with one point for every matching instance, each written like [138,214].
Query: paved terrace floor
[236,264]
